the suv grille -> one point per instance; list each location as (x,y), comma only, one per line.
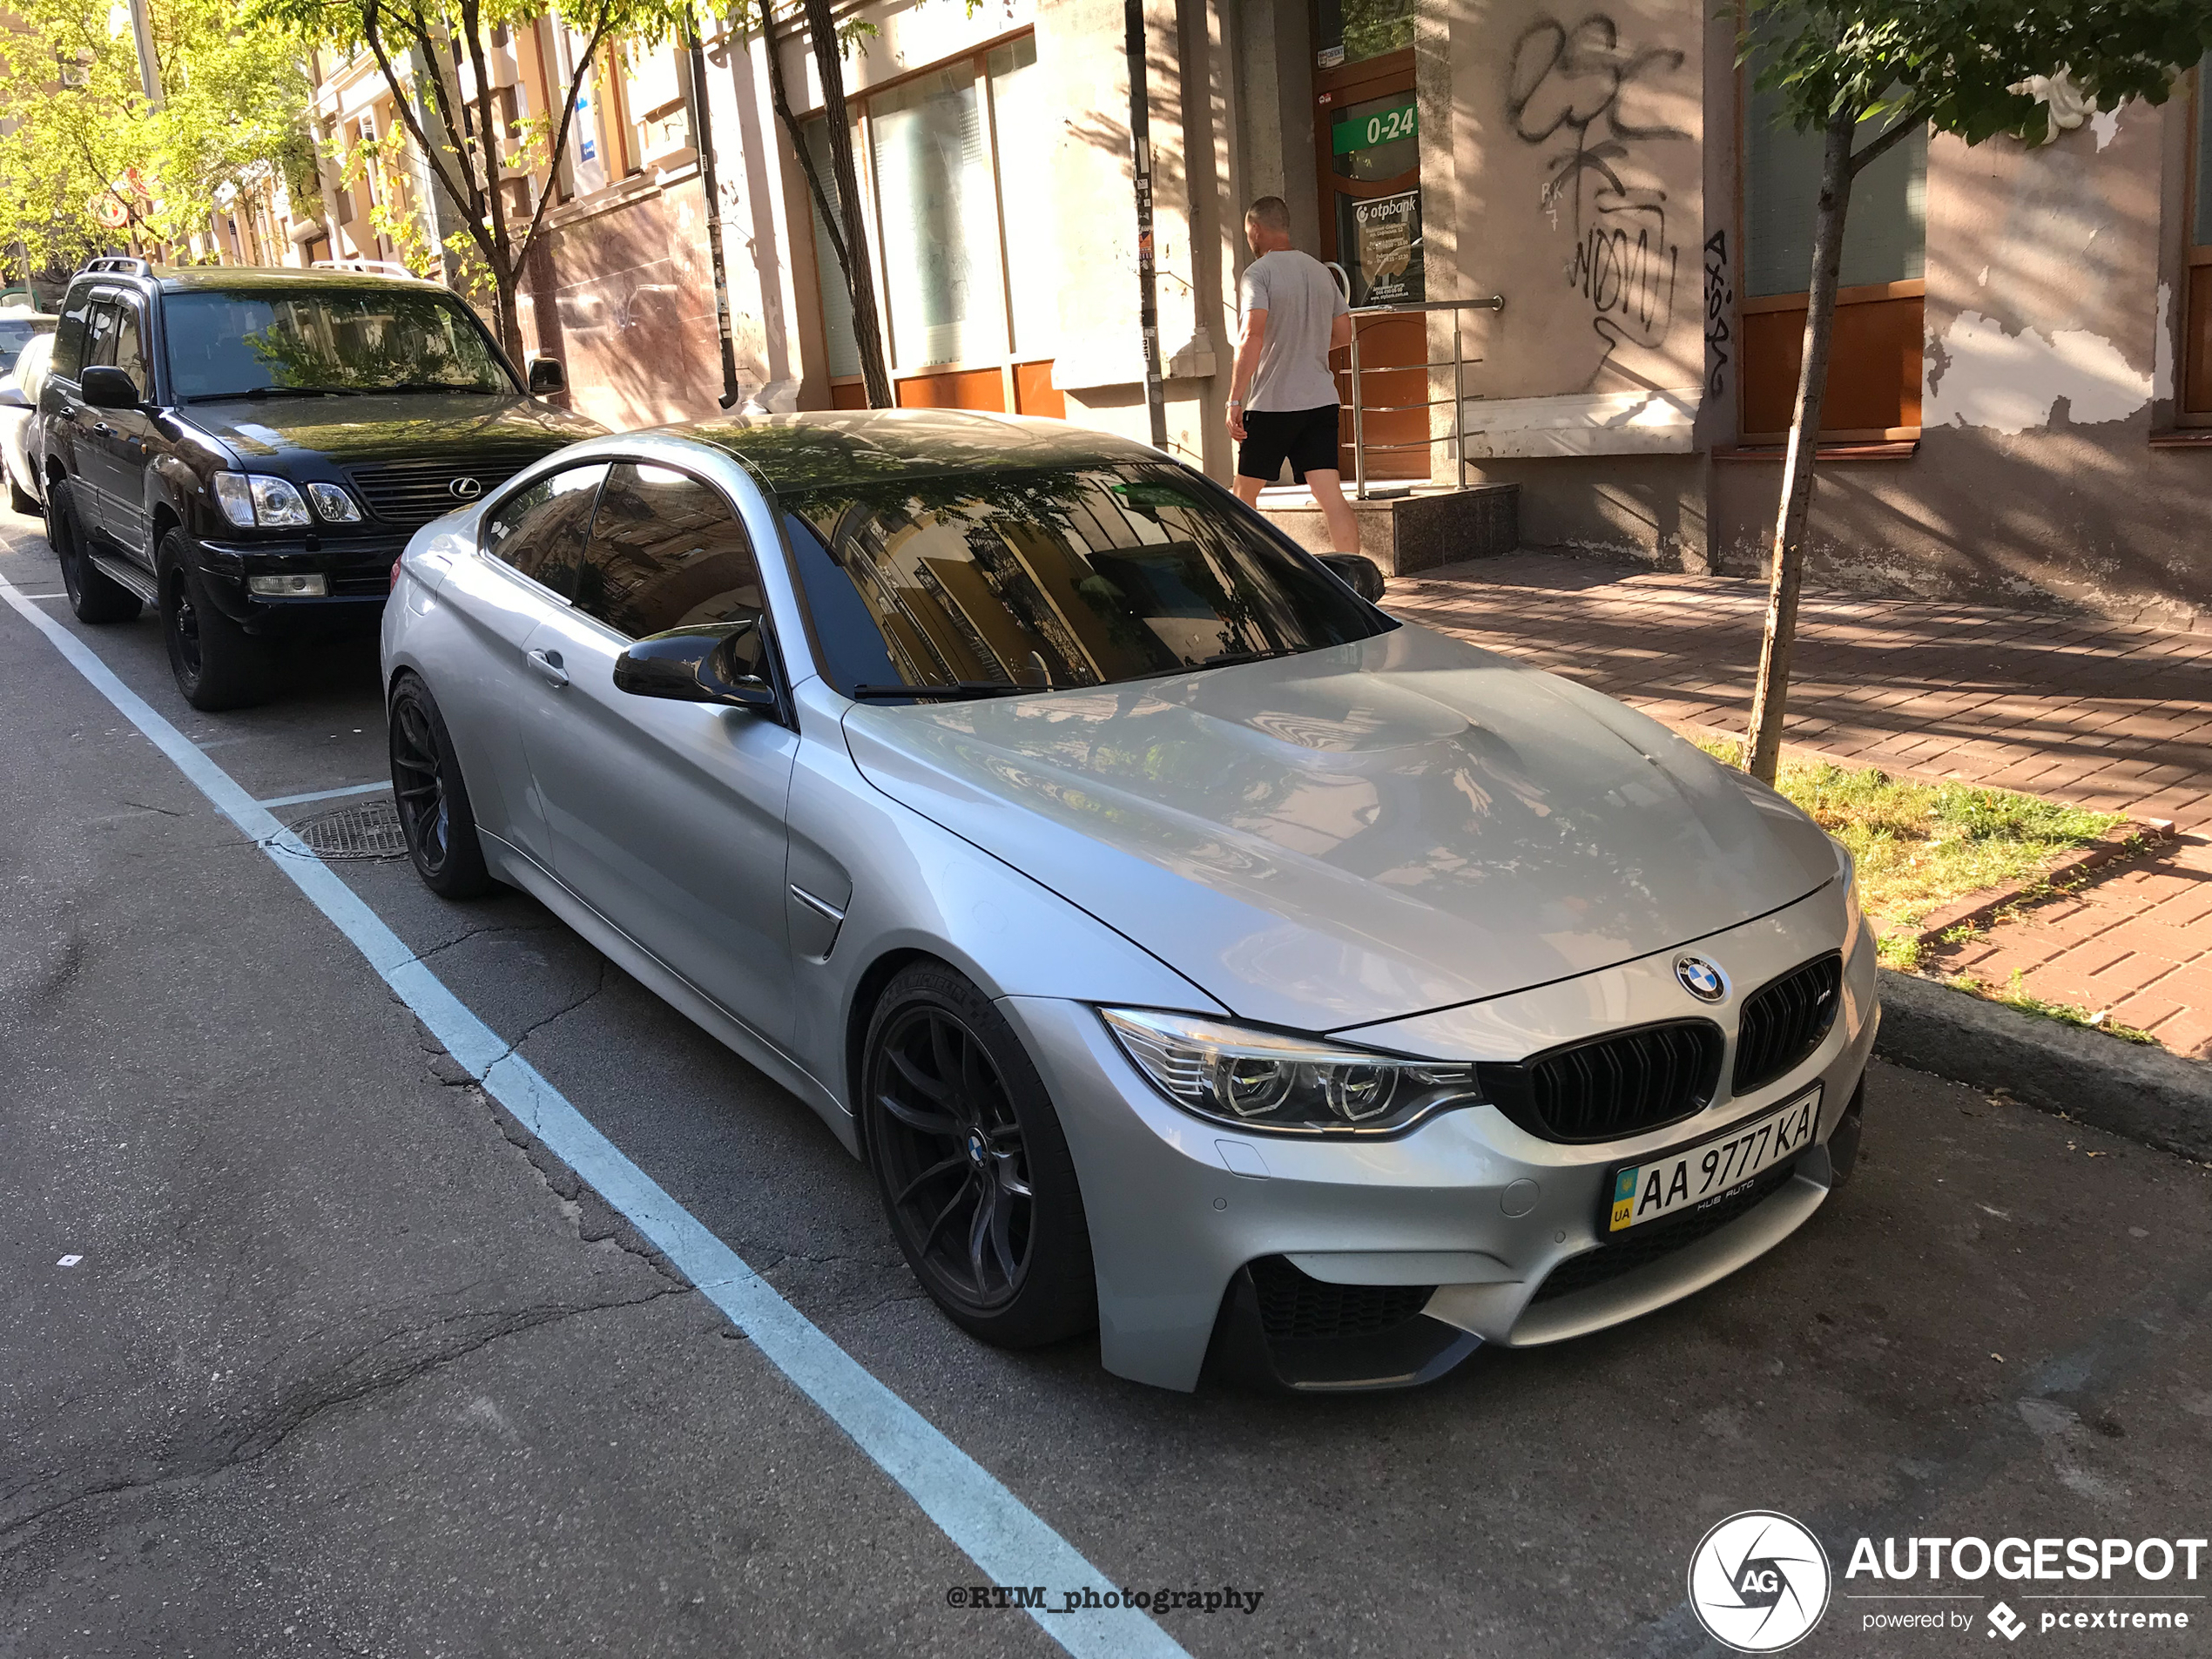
(412,493)
(1785,1021)
(1615,1086)
(1294,1306)
(1625,1255)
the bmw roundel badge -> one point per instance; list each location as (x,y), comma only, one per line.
(1700,979)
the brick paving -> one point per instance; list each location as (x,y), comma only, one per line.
(2109,715)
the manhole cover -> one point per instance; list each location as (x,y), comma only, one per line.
(368,830)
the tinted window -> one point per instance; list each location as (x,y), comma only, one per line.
(1059,577)
(15,333)
(68,339)
(222,345)
(540,531)
(99,338)
(130,347)
(666,551)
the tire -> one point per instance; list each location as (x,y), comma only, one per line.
(21,499)
(972,1169)
(435,815)
(92,598)
(217,664)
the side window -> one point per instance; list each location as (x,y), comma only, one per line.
(130,347)
(666,551)
(69,337)
(99,338)
(540,531)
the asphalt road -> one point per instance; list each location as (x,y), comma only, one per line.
(336,1368)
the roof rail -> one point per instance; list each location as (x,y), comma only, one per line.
(119,265)
(368,267)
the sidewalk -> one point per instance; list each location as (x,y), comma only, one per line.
(2107,715)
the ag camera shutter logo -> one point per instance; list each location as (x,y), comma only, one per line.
(1758,1582)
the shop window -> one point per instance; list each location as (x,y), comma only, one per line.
(956,166)
(1351,31)
(1874,368)
(2197,346)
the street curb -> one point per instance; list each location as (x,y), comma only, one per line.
(2133,1089)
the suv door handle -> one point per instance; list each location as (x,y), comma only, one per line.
(103,428)
(548,664)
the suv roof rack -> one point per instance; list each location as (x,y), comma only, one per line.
(119,265)
(368,267)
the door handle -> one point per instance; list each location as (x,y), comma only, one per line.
(548,664)
(103,429)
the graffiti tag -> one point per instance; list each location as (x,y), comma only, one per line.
(1720,296)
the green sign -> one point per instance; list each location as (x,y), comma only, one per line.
(1379,126)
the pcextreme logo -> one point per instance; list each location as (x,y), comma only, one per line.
(1758,1582)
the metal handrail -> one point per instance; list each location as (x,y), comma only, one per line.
(1456,363)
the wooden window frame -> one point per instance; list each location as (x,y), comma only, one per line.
(1008,362)
(2194,358)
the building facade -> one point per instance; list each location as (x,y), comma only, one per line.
(2021,410)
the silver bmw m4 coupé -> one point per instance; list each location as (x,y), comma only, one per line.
(1190,948)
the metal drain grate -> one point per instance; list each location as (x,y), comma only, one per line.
(367,830)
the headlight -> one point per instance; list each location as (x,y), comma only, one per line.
(1264,1080)
(1854,918)
(332,504)
(251,498)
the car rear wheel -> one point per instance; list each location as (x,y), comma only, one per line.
(217,664)
(974,1170)
(435,815)
(21,499)
(92,598)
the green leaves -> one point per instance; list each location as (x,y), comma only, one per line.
(1950,62)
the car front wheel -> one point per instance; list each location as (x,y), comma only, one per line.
(974,1170)
(435,816)
(218,665)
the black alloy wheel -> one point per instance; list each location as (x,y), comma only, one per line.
(93,597)
(972,1168)
(435,815)
(217,663)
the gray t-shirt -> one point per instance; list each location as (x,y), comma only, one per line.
(1301,301)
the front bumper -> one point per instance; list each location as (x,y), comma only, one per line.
(1468,1202)
(357,569)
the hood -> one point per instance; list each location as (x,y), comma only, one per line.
(1359,834)
(348,430)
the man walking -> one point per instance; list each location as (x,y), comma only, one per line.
(1282,398)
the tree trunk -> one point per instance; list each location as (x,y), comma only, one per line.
(821,30)
(1763,741)
(505,282)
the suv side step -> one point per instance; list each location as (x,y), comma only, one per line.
(125,575)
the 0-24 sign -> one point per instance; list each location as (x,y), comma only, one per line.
(1376,126)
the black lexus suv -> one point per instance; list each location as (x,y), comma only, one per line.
(248,451)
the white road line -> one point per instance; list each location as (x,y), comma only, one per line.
(1006,1540)
(323,795)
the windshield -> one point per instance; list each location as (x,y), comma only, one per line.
(15,333)
(229,345)
(1049,579)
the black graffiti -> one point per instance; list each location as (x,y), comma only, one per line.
(1569,80)
(1627,273)
(1720,299)
(1565,88)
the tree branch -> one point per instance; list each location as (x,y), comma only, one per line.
(1898,130)
(487,138)
(561,136)
(408,118)
(780,96)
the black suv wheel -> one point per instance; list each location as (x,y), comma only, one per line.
(974,1170)
(217,664)
(92,596)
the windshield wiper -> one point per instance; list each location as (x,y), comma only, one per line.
(1223,660)
(275,391)
(958,688)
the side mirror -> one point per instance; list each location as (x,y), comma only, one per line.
(1361,574)
(547,375)
(11,395)
(108,387)
(724,663)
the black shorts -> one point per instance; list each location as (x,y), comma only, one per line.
(1306,438)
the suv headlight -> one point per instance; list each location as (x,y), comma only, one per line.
(251,498)
(334,505)
(1268,1081)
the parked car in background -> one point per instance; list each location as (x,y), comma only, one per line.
(19,325)
(1190,948)
(248,451)
(19,389)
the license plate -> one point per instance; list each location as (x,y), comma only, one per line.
(1680,1181)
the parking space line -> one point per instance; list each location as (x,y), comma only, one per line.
(1008,1542)
(324,794)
